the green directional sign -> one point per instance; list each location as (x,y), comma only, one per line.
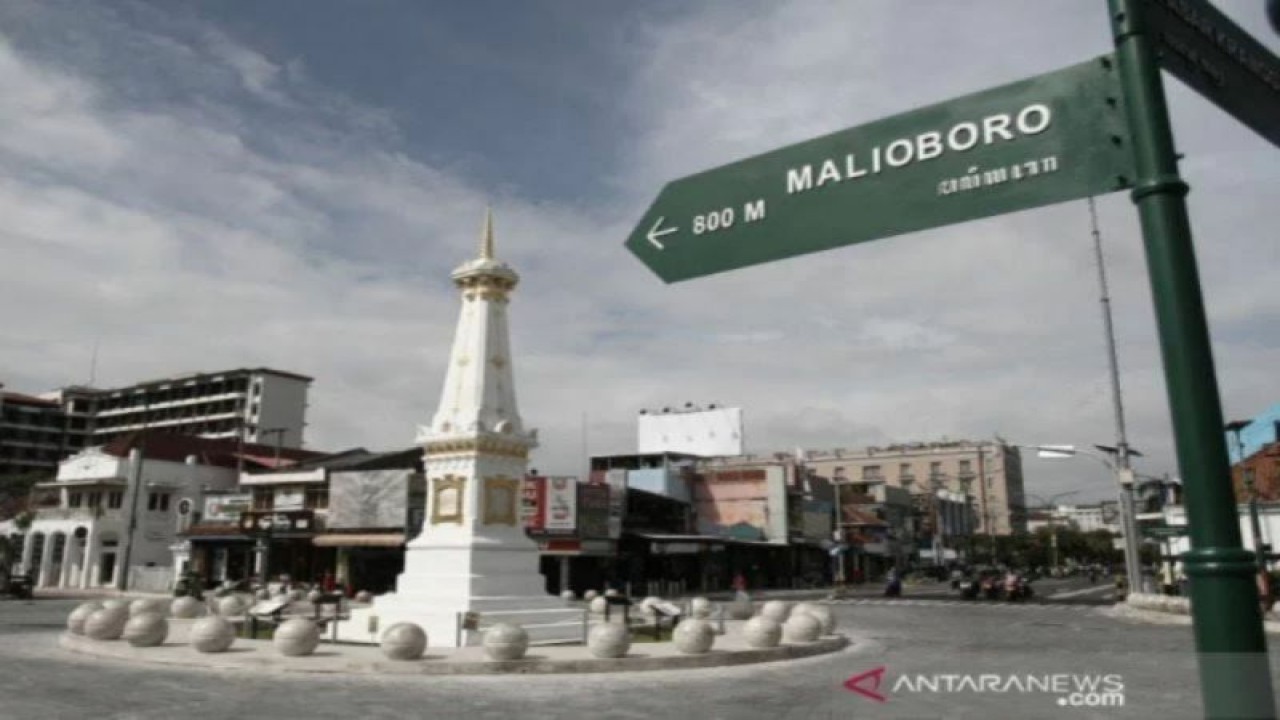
(1043,140)
(1216,57)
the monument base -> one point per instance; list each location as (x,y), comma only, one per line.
(545,618)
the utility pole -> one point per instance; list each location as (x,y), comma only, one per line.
(138,455)
(1235,675)
(1123,466)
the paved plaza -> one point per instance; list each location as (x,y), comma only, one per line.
(910,639)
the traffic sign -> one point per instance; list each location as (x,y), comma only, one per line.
(1042,140)
(1219,59)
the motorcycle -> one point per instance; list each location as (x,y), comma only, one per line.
(1017,588)
(969,589)
(893,588)
(991,588)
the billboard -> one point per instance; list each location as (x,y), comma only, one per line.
(560,513)
(707,433)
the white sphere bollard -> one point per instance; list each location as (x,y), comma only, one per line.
(147,629)
(404,641)
(801,607)
(230,606)
(762,632)
(185,607)
(826,617)
(107,623)
(568,596)
(116,603)
(364,596)
(611,593)
(148,605)
(776,610)
(590,595)
(741,609)
(212,634)
(296,637)
(77,618)
(801,628)
(506,642)
(314,596)
(693,636)
(701,607)
(609,640)
(598,605)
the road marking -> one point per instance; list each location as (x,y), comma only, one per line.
(1077,593)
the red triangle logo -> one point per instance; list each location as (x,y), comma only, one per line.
(867,684)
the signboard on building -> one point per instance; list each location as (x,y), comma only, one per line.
(533,500)
(226,508)
(369,498)
(593,511)
(269,522)
(290,498)
(560,513)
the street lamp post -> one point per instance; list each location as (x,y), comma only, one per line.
(1053,527)
(1128,524)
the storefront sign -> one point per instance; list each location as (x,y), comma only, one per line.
(226,508)
(267,522)
(533,500)
(290,498)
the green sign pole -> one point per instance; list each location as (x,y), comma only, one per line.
(1234,672)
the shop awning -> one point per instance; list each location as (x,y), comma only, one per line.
(359,540)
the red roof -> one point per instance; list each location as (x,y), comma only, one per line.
(221,451)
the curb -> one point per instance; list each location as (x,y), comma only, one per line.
(267,659)
(1155,617)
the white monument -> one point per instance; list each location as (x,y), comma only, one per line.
(471,554)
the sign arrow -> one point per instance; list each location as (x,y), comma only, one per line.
(655,233)
(871,677)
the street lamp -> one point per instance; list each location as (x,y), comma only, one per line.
(1259,550)
(1124,477)
(1053,527)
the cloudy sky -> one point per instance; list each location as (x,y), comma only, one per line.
(205,185)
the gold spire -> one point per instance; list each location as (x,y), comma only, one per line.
(486,238)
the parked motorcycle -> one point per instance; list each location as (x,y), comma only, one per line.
(893,588)
(1017,588)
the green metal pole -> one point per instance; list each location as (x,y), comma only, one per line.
(1234,673)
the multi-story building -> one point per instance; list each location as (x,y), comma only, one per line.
(1088,518)
(954,466)
(257,405)
(36,432)
(266,406)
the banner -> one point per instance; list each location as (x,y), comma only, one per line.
(561,513)
(533,501)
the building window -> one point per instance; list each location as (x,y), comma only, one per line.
(93,499)
(74,499)
(966,467)
(115,499)
(263,498)
(870,472)
(935,469)
(158,502)
(317,498)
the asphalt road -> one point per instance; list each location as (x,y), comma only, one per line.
(913,638)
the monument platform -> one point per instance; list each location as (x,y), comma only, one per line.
(256,656)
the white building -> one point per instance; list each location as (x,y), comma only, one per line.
(267,406)
(1088,518)
(78,535)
